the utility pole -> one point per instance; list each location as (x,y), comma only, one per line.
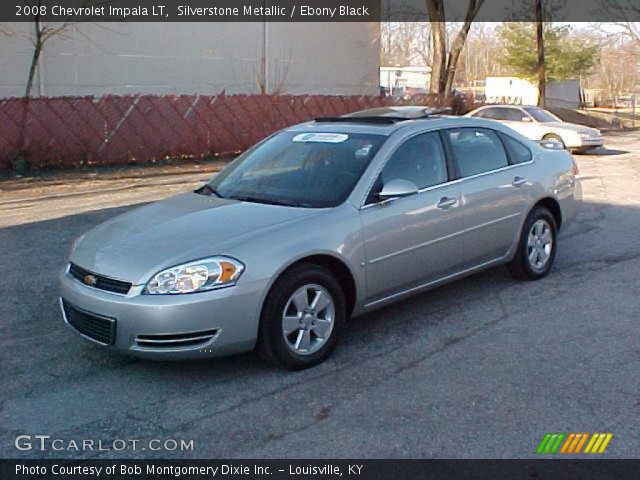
(264,61)
(542,79)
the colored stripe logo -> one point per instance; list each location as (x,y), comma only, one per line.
(574,442)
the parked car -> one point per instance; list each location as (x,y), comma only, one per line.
(536,123)
(317,223)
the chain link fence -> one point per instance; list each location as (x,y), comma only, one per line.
(75,131)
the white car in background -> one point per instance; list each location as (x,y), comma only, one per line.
(538,124)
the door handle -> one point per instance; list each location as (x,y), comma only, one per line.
(446,202)
(519,181)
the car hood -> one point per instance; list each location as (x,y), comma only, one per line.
(139,243)
(574,127)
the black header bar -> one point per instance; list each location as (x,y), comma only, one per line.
(543,469)
(309,10)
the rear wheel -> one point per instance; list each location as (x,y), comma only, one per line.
(537,246)
(302,317)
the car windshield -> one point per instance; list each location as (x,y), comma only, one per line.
(542,115)
(310,169)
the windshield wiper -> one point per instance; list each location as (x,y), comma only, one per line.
(208,188)
(269,201)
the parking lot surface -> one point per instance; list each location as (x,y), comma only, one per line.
(481,368)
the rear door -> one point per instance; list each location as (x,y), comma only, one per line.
(412,240)
(494,190)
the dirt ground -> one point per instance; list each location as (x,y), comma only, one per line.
(56,194)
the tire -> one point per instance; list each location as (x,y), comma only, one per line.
(529,262)
(557,138)
(313,336)
(581,150)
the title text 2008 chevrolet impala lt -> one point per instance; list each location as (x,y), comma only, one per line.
(319,222)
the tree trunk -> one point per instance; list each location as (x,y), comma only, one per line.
(443,67)
(458,45)
(35,58)
(32,70)
(435,9)
(542,78)
(24,115)
(454,56)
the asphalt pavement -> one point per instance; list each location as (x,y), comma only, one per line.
(481,368)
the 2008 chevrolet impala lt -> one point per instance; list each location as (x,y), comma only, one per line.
(319,222)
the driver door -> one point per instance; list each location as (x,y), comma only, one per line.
(415,239)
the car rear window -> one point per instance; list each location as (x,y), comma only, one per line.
(518,153)
(476,150)
(541,115)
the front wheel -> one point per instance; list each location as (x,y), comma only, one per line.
(302,317)
(537,246)
(581,150)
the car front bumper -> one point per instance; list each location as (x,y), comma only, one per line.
(205,324)
(589,142)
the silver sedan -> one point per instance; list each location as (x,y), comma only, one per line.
(318,223)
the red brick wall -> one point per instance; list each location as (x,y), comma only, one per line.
(68,131)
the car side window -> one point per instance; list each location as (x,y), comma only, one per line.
(518,153)
(489,113)
(500,114)
(476,150)
(513,114)
(420,160)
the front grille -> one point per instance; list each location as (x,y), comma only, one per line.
(177,340)
(100,329)
(101,282)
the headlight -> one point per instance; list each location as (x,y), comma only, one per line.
(590,134)
(197,276)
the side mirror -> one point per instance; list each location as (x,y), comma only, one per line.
(526,119)
(397,188)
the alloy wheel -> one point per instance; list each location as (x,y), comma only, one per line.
(539,244)
(308,319)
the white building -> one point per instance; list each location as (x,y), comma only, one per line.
(185,58)
(514,90)
(403,78)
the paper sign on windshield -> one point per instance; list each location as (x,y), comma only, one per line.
(321,137)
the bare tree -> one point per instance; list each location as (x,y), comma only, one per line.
(6,31)
(405,43)
(632,30)
(42,33)
(445,63)
(481,55)
(613,76)
(622,13)
(273,80)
